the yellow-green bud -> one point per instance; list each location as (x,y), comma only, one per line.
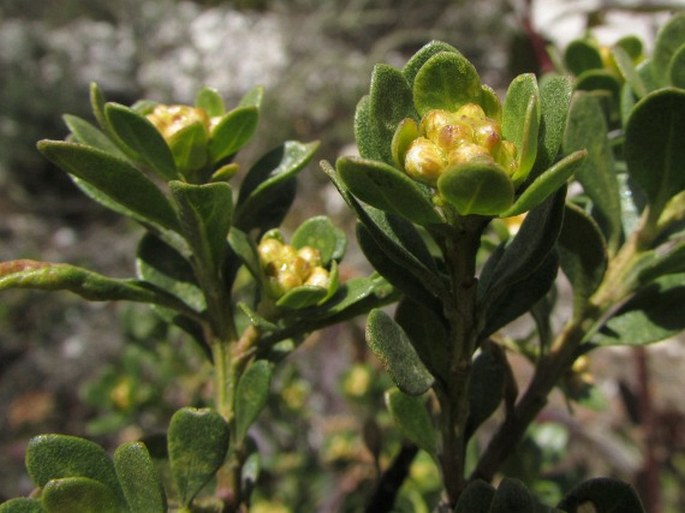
(454,135)
(434,121)
(467,153)
(424,161)
(169,119)
(471,111)
(487,134)
(318,277)
(269,250)
(310,255)
(505,155)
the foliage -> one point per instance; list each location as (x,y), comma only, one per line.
(444,165)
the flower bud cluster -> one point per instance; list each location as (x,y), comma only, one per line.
(171,119)
(287,268)
(449,139)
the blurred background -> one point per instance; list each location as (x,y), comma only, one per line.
(112,372)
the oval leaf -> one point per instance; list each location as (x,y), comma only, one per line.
(390,101)
(393,348)
(205,214)
(586,128)
(269,186)
(486,388)
(141,139)
(197,444)
(139,479)
(85,133)
(654,149)
(388,189)
(53,457)
(477,188)
(605,495)
(476,498)
(555,97)
(232,132)
(581,55)
(22,505)
(210,100)
(414,64)
(115,177)
(512,496)
(546,184)
(411,416)
(583,255)
(521,121)
(81,494)
(251,396)
(320,233)
(446,81)
(669,39)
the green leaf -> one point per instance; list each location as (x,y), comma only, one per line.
(189,148)
(210,100)
(520,297)
(476,498)
(428,334)
(605,495)
(526,251)
(407,130)
(197,443)
(654,313)
(232,132)
(205,212)
(624,62)
(490,102)
(546,184)
(301,297)
(31,274)
(97,103)
(583,255)
(115,178)
(669,40)
(486,387)
(477,188)
(139,479)
(22,505)
(53,457)
(268,189)
(586,128)
(393,348)
(447,80)
(253,97)
(162,265)
(414,64)
(654,151)
(78,494)
(581,55)
(390,101)
(521,122)
(555,97)
(86,133)
(399,241)
(142,141)
(512,496)
(411,417)
(403,278)
(320,233)
(677,68)
(388,189)
(251,396)
(600,81)
(246,250)
(369,144)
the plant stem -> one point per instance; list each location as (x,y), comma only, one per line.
(459,251)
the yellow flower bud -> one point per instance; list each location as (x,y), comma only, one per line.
(467,153)
(471,111)
(318,277)
(434,121)
(454,135)
(287,280)
(487,134)
(505,155)
(424,161)
(269,250)
(169,119)
(310,255)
